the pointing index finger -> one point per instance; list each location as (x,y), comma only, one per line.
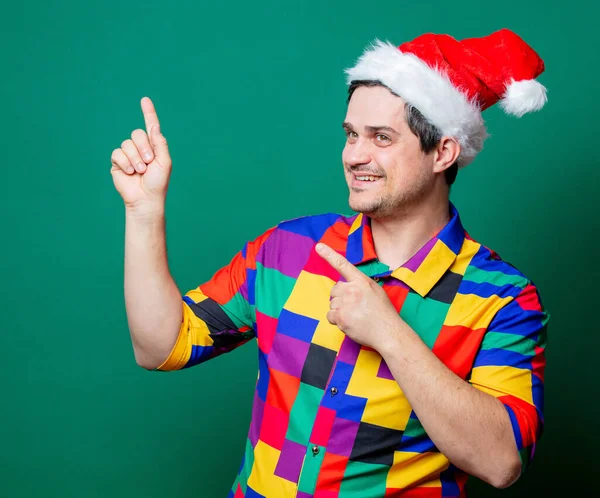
(150,116)
(338,262)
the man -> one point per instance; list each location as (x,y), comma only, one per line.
(397,355)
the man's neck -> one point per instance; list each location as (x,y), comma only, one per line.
(397,239)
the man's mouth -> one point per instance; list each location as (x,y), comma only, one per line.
(362,179)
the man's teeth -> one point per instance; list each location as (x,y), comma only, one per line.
(367,178)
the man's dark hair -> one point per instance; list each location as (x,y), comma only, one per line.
(428,134)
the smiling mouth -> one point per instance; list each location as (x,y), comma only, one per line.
(364,180)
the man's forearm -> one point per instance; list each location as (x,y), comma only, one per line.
(470,427)
(152,299)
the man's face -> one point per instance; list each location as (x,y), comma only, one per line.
(385,169)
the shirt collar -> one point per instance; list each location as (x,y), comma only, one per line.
(425,268)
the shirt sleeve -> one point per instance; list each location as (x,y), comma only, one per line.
(219,315)
(510,366)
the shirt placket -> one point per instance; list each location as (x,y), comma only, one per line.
(315,452)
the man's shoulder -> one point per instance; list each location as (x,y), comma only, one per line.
(488,268)
(509,291)
(315,225)
(296,237)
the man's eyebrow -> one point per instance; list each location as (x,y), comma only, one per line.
(371,129)
(374,129)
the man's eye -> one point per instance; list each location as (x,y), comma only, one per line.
(351,134)
(382,138)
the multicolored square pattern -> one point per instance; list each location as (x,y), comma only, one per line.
(328,418)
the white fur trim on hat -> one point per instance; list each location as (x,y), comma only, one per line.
(523,96)
(427,89)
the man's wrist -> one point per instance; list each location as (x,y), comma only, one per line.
(147,212)
(391,337)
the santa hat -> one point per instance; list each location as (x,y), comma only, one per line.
(450,82)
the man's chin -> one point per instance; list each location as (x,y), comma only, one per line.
(368,208)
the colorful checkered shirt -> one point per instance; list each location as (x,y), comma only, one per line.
(328,418)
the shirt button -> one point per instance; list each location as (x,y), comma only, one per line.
(334,391)
(315,450)
(376,279)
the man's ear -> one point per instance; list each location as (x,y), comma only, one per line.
(446,154)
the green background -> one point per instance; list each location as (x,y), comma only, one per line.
(251,97)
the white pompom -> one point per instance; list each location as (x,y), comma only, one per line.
(523,96)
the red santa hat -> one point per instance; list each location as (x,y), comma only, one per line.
(450,82)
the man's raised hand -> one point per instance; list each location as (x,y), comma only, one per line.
(141,167)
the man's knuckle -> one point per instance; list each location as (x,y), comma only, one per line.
(138,134)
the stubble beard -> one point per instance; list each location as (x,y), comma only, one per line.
(385,206)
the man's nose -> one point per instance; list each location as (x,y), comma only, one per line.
(358,153)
